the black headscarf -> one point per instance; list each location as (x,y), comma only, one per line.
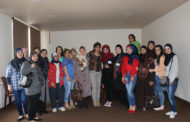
(151,53)
(143,56)
(168,57)
(53,61)
(121,50)
(33,53)
(16,62)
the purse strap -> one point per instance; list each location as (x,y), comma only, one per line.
(170,66)
(78,85)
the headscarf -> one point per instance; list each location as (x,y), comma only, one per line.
(16,62)
(151,53)
(34,53)
(133,55)
(168,57)
(106,57)
(143,56)
(53,61)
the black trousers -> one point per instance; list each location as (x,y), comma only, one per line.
(84,103)
(33,101)
(109,91)
(122,95)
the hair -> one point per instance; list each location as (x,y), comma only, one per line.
(132,35)
(150,42)
(82,47)
(161,53)
(62,54)
(96,44)
(36,48)
(73,50)
(143,46)
(65,50)
(44,50)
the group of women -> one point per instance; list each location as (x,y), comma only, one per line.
(129,76)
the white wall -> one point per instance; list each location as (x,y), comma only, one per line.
(174,28)
(70,39)
(6,48)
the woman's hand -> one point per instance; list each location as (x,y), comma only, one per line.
(132,79)
(124,81)
(171,82)
(151,70)
(151,83)
(33,65)
(10,88)
(102,85)
(68,79)
(52,84)
(107,66)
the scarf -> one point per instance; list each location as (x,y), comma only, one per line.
(109,55)
(168,57)
(133,55)
(82,62)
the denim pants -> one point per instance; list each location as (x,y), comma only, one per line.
(21,101)
(68,87)
(130,89)
(56,94)
(95,79)
(158,90)
(171,89)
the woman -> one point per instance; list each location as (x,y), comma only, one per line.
(37,50)
(95,66)
(68,68)
(132,40)
(129,74)
(44,65)
(13,76)
(82,75)
(25,51)
(107,74)
(118,85)
(59,51)
(34,91)
(160,72)
(56,84)
(171,63)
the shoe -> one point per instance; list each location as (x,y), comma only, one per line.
(169,113)
(62,109)
(37,119)
(161,108)
(95,104)
(20,118)
(106,104)
(54,110)
(67,107)
(133,111)
(109,104)
(98,104)
(72,106)
(32,121)
(172,115)
(144,109)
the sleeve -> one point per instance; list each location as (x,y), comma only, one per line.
(9,73)
(26,68)
(151,75)
(161,67)
(64,63)
(76,66)
(134,67)
(174,69)
(123,66)
(50,73)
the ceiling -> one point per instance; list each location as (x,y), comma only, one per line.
(56,15)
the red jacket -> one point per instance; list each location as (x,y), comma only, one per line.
(129,69)
(52,74)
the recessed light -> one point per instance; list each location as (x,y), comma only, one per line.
(35,1)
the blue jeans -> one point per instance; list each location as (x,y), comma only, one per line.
(158,90)
(56,94)
(171,89)
(21,101)
(68,86)
(130,88)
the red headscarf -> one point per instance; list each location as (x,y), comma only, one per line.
(106,57)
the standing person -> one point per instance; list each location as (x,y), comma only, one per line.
(160,72)
(25,51)
(68,79)
(13,76)
(107,74)
(44,65)
(132,40)
(171,63)
(34,91)
(59,51)
(56,84)
(37,50)
(95,67)
(118,85)
(82,75)
(129,74)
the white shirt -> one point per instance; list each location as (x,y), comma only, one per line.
(57,72)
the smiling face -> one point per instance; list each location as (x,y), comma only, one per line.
(67,54)
(105,50)
(56,57)
(158,51)
(118,50)
(168,50)
(151,46)
(35,57)
(59,51)
(131,39)
(37,51)
(19,54)
(97,48)
(82,51)
(129,50)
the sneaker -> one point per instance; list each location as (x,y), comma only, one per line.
(106,104)
(54,110)
(161,108)
(67,106)
(62,109)
(169,113)
(72,106)
(109,104)
(172,115)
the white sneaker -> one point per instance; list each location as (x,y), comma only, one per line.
(106,104)
(172,115)
(109,104)
(62,109)
(54,110)
(161,108)
(169,113)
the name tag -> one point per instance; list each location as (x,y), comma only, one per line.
(117,64)
(109,62)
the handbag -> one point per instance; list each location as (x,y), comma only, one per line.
(152,102)
(165,79)
(76,92)
(26,80)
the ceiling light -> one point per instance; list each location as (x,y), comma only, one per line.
(35,1)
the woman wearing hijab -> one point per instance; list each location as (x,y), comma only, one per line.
(56,84)
(13,76)
(119,87)
(107,74)
(129,74)
(171,64)
(34,91)
(44,65)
